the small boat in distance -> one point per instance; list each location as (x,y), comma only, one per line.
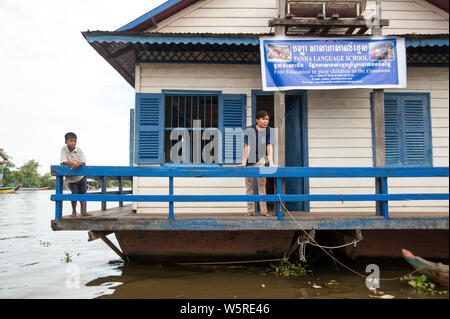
(34,188)
(10,189)
(436,272)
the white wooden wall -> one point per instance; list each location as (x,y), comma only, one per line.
(339,134)
(251,16)
(230,79)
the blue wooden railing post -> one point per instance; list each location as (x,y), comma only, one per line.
(104,180)
(59,190)
(279,192)
(382,207)
(171,217)
(120,189)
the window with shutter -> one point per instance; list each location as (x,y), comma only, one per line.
(408,129)
(234,113)
(149,128)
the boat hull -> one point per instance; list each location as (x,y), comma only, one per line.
(203,246)
(4,190)
(435,271)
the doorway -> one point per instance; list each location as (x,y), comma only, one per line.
(296,141)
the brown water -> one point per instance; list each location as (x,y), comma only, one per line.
(36,262)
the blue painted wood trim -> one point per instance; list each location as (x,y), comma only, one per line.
(382,188)
(247,198)
(171,215)
(165,171)
(59,191)
(132,136)
(279,187)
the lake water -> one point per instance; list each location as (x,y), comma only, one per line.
(36,262)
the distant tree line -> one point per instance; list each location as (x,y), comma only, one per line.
(27,174)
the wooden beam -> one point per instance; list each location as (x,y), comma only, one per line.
(362,30)
(94,235)
(116,250)
(350,30)
(310,22)
(279,101)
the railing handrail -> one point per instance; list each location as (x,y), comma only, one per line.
(380,174)
(230,171)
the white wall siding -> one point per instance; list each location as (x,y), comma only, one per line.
(251,16)
(408,16)
(230,79)
(340,135)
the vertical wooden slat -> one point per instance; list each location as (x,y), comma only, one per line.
(120,189)
(104,181)
(59,191)
(279,182)
(171,215)
(382,188)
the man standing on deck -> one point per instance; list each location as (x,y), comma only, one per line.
(258,151)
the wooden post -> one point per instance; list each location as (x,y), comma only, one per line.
(104,181)
(171,216)
(378,123)
(279,209)
(120,189)
(59,190)
(279,103)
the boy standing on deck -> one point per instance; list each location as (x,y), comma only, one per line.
(73,156)
(258,151)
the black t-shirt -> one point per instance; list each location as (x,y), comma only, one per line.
(258,141)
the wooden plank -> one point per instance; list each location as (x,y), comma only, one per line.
(215,171)
(310,22)
(255,223)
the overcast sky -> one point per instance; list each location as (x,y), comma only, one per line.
(52,81)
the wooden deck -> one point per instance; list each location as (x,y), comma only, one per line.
(123,218)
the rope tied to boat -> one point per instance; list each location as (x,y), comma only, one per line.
(311,240)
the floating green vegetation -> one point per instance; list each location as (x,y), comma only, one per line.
(288,269)
(422,286)
(44,243)
(67,258)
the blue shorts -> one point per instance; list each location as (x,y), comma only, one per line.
(79,187)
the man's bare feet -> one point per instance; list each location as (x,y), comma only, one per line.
(250,214)
(85,214)
(266,214)
(73,215)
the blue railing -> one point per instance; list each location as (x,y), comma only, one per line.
(381,174)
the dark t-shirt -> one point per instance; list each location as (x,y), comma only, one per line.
(258,141)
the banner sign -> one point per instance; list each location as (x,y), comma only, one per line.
(289,63)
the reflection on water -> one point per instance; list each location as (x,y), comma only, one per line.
(36,262)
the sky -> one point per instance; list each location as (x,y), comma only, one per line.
(52,81)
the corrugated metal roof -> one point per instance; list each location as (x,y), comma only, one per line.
(228,39)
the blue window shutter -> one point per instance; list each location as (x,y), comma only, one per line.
(149,128)
(392,123)
(416,130)
(234,112)
(131,137)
